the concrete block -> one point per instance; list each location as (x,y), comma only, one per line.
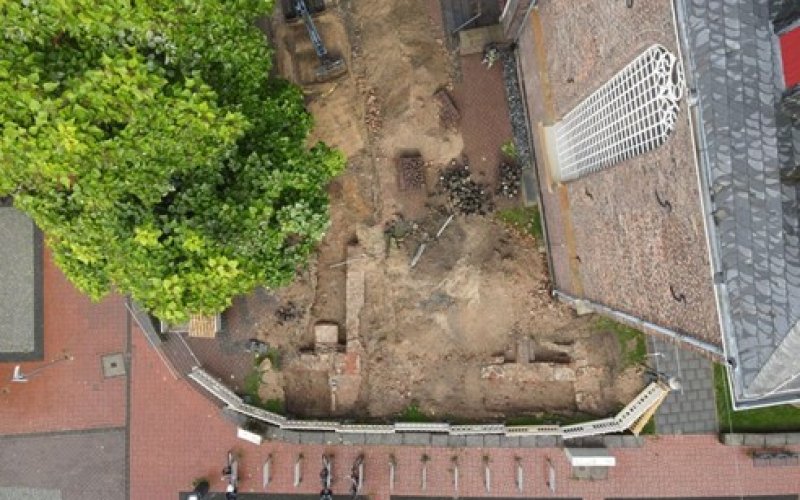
(291,437)
(775,439)
(373,439)
(546,441)
(527,441)
(353,438)
(509,441)
(456,441)
(331,437)
(613,441)
(416,438)
(631,441)
(439,440)
(754,440)
(392,439)
(311,437)
(491,441)
(793,438)
(475,441)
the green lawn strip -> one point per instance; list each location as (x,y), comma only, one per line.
(551,419)
(525,219)
(631,341)
(784,418)
(412,413)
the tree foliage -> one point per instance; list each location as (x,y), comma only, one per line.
(146,140)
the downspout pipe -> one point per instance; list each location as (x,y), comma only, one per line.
(525,18)
(641,324)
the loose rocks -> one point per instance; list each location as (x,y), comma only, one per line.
(465,195)
(509,178)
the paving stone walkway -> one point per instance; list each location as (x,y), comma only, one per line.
(691,410)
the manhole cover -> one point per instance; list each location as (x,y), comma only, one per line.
(113,365)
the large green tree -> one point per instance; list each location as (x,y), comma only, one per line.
(147,141)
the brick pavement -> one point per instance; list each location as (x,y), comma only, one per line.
(693,409)
(484,124)
(177,435)
(69,394)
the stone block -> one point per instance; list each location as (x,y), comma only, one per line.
(456,441)
(332,437)
(491,441)
(527,441)
(416,438)
(311,437)
(291,437)
(439,440)
(757,440)
(775,440)
(353,438)
(546,441)
(613,441)
(475,441)
(793,438)
(509,441)
(392,439)
(632,441)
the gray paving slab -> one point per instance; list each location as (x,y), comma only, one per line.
(87,465)
(20,287)
(691,410)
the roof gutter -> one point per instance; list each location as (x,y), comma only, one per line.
(641,324)
(706,204)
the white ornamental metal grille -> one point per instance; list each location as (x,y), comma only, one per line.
(631,114)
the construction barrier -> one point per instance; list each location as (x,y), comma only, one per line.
(651,396)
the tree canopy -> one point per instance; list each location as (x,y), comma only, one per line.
(147,141)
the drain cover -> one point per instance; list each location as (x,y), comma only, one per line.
(113,365)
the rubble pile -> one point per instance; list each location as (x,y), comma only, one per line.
(288,313)
(410,173)
(508,179)
(465,195)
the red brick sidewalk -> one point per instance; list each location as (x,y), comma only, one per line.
(177,436)
(69,395)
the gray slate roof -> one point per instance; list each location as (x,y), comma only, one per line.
(734,66)
(20,287)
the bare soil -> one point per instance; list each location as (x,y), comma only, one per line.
(445,335)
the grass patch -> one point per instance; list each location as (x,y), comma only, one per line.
(250,387)
(525,219)
(275,406)
(784,418)
(274,356)
(551,419)
(413,414)
(649,428)
(631,341)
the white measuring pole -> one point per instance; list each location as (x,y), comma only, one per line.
(298,471)
(487,476)
(267,472)
(392,465)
